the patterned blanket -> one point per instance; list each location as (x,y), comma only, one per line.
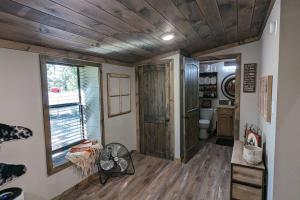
(84,156)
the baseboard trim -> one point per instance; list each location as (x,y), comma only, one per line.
(78,186)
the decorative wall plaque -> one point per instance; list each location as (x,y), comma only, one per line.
(228,86)
(249,85)
(265,97)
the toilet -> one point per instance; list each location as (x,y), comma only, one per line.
(206,115)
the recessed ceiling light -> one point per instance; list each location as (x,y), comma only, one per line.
(167,36)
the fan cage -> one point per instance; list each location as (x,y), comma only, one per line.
(114,161)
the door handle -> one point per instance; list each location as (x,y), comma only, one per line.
(167,120)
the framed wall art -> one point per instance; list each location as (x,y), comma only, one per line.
(118,94)
(265,97)
(249,85)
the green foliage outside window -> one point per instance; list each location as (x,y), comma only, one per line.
(63,77)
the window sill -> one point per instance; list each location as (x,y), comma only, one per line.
(59,162)
(59,159)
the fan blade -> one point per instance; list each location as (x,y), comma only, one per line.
(106,165)
(105,155)
(115,150)
(123,164)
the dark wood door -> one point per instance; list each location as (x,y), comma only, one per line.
(154,110)
(190,109)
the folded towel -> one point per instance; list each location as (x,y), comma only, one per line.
(84,156)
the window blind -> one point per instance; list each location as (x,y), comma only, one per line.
(90,99)
(74,105)
(64,106)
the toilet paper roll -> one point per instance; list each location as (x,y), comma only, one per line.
(12,194)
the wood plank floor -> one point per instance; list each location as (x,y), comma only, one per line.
(206,176)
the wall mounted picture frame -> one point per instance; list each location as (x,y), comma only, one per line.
(265,97)
(249,83)
(119,94)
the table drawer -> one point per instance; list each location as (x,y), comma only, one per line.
(247,175)
(243,192)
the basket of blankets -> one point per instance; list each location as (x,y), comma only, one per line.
(84,156)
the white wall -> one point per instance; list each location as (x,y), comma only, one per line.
(287,162)
(269,66)
(21,104)
(249,101)
(176,60)
(120,128)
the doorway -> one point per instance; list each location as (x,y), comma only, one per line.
(190,102)
(155,108)
(229,94)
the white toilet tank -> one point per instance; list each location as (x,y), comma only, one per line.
(206,113)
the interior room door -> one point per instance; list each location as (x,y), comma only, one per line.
(189,109)
(154,110)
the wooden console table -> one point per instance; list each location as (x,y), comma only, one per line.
(247,181)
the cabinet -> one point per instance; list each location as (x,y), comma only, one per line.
(225,120)
(247,181)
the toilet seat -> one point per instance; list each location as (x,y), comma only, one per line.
(204,122)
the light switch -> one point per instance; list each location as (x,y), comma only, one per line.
(273,27)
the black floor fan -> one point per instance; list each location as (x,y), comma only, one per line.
(114,160)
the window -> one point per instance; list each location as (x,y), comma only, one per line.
(71,93)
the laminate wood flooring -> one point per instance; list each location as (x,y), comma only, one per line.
(206,176)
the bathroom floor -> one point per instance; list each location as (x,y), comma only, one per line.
(211,139)
(206,176)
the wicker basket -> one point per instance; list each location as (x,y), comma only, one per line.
(252,154)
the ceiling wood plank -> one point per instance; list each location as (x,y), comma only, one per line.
(52,8)
(52,42)
(228,12)
(58,53)
(16,24)
(96,13)
(52,21)
(144,10)
(131,30)
(36,30)
(56,43)
(212,15)
(49,20)
(191,11)
(245,14)
(118,10)
(63,13)
(29,13)
(260,13)
(167,9)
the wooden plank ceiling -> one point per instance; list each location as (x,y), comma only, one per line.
(130,30)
